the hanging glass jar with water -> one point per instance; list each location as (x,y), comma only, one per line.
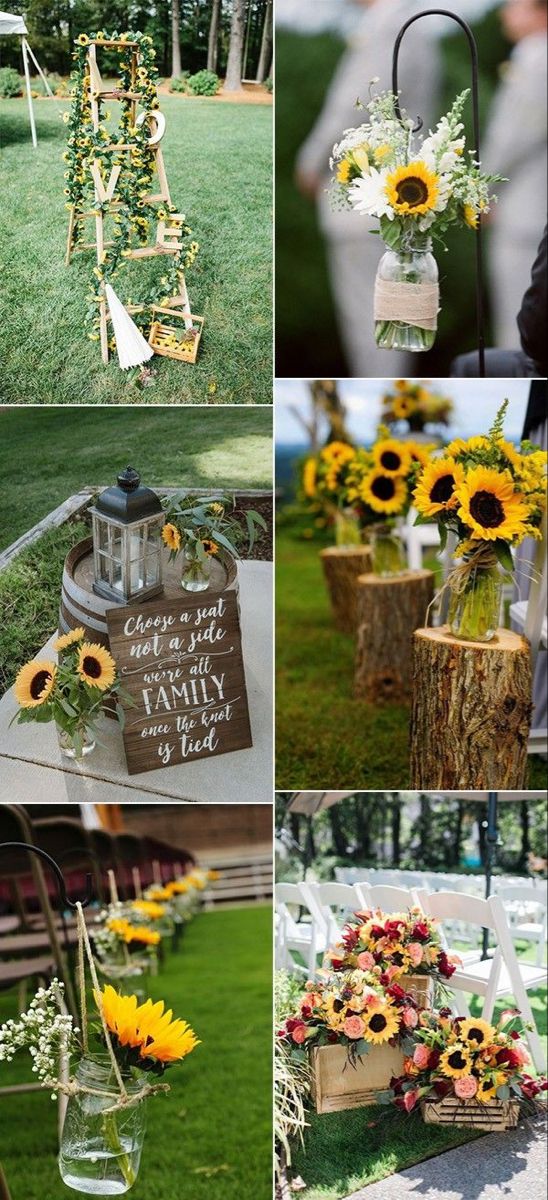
(407,295)
(101,1143)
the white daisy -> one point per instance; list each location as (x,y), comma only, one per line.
(368,195)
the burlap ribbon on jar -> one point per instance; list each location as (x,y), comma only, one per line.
(407,303)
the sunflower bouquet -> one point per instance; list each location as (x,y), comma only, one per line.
(491,496)
(468,1059)
(124,946)
(394,946)
(201,529)
(417,188)
(415,404)
(353,1009)
(70,692)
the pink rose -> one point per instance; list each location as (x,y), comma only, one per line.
(354,1027)
(415,953)
(410,1018)
(299,1034)
(366,961)
(421,1055)
(410,1099)
(465,1087)
(523,1054)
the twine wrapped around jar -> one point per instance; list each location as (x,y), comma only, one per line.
(408,303)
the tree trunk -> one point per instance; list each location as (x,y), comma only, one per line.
(337,831)
(471,711)
(457,840)
(425,821)
(233,79)
(388,611)
(362,809)
(525,838)
(175,39)
(341,567)
(265,56)
(326,399)
(213,41)
(396,830)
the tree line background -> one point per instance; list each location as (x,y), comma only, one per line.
(231,37)
(378,830)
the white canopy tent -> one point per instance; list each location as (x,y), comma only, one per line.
(11,24)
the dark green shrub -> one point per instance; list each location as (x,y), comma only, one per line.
(269,84)
(179,83)
(204,83)
(11,83)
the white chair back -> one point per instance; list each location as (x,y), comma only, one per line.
(337,902)
(389,899)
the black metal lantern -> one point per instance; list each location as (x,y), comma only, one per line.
(127,526)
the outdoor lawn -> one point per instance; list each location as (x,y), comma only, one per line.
(324,737)
(218,162)
(210,1139)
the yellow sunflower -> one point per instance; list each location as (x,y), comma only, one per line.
(402,406)
(34,683)
(412,190)
(489,506)
(487,1087)
(334,1011)
(210,546)
(145,1026)
(391,457)
(178,887)
(436,488)
(455,1061)
(476,1032)
(397,955)
(69,639)
(309,477)
(157,893)
(420,453)
(96,667)
(344,169)
(384,493)
(381,1024)
(149,909)
(171,536)
(338,452)
(470,216)
(140,933)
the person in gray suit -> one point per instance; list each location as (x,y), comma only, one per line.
(353,252)
(515,146)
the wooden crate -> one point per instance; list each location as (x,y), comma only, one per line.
(493,1117)
(336,1084)
(420,987)
(162,330)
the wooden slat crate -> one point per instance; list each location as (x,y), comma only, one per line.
(420,987)
(162,333)
(336,1084)
(493,1117)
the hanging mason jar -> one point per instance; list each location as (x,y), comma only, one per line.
(475,600)
(77,743)
(388,555)
(407,296)
(347,528)
(100,1150)
(196,571)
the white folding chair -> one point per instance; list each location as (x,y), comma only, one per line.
(526,912)
(389,899)
(337,902)
(306,938)
(500,975)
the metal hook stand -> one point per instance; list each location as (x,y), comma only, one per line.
(445,12)
(62,891)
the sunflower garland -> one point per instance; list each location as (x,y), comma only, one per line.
(135,214)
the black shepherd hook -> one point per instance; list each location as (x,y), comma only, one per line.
(445,12)
(65,902)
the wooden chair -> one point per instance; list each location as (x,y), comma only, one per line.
(498,976)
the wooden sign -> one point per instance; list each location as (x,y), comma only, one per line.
(181,662)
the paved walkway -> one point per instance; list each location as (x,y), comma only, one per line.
(501,1166)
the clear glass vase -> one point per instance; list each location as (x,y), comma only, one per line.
(76,744)
(474,606)
(388,555)
(413,263)
(196,573)
(347,528)
(101,1151)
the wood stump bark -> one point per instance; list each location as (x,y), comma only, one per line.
(388,612)
(472,706)
(341,567)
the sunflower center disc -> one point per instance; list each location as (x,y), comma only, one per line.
(38,684)
(390,460)
(487,510)
(442,489)
(92,667)
(412,191)
(383,487)
(377,1023)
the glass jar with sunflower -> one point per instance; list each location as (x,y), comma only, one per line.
(379,483)
(201,529)
(491,495)
(70,692)
(417,188)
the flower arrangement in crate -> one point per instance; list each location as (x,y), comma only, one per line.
(492,496)
(70,692)
(120,1062)
(201,529)
(416,189)
(365,491)
(398,948)
(416,405)
(466,1071)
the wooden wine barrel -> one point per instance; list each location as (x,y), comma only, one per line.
(80,606)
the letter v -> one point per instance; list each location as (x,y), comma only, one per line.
(104,195)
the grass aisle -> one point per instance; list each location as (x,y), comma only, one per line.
(218,162)
(210,1139)
(325,738)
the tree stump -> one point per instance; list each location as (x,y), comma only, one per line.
(341,567)
(472,709)
(389,610)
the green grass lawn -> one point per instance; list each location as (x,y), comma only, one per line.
(324,737)
(211,1138)
(218,159)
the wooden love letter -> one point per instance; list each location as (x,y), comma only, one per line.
(181,663)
